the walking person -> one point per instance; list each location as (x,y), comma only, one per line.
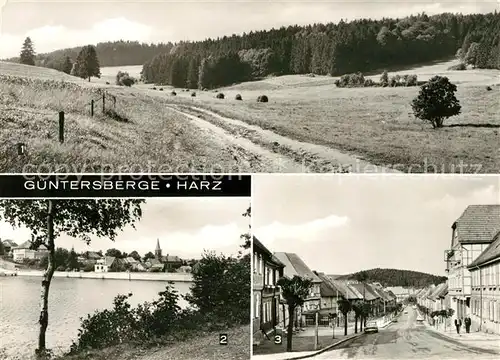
(467,324)
(458,324)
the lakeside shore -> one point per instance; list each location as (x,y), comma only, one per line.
(176,277)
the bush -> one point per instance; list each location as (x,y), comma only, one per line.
(88,267)
(262,98)
(411,80)
(384,78)
(351,80)
(220,96)
(154,88)
(124,79)
(460,66)
(193,94)
(238,97)
(115,115)
(173,93)
(61,268)
(488,88)
(369,83)
(107,83)
(161,89)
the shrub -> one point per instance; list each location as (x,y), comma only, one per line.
(369,83)
(262,98)
(238,97)
(173,93)
(107,83)
(124,79)
(488,88)
(154,88)
(88,267)
(161,89)
(411,80)
(351,80)
(460,66)
(61,268)
(384,79)
(220,96)
(115,116)
(193,94)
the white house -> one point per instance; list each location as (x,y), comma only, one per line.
(23,251)
(104,264)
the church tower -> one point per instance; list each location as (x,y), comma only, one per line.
(158,250)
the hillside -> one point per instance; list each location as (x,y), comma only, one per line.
(396,277)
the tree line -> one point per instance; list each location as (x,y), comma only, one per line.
(396,277)
(327,49)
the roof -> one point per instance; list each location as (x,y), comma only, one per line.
(478,224)
(257,245)
(437,291)
(391,294)
(491,253)
(93,255)
(130,260)
(295,266)
(158,265)
(24,245)
(334,276)
(366,291)
(9,243)
(171,258)
(347,291)
(108,260)
(327,287)
(383,295)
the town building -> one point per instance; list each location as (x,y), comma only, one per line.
(267,314)
(104,264)
(294,265)
(170,262)
(401,292)
(472,233)
(8,245)
(485,294)
(25,251)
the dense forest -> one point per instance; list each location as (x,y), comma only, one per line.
(395,277)
(334,49)
(116,53)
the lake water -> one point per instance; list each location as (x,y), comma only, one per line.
(69,299)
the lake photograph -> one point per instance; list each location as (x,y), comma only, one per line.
(131,279)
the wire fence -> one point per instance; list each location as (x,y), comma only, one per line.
(94,103)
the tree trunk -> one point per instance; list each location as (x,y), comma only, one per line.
(47,278)
(89,78)
(361,324)
(289,333)
(356,324)
(345,324)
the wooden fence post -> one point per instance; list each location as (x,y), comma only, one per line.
(61,126)
(114,102)
(92,107)
(103,103)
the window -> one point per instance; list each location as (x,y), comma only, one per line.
(257,305)
(255,262)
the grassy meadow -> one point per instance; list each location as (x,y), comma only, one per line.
(145,136)
(375,125)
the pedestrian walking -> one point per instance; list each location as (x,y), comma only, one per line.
(458,324)
(467,322)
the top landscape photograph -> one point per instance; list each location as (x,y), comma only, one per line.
(251,86)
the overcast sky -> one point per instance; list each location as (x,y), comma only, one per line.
(359,223)
(60,24)
(185,227)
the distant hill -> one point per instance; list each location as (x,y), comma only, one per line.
(396,277)
(114,53)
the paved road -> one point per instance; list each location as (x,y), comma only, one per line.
(406,339)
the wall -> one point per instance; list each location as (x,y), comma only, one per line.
(180,277)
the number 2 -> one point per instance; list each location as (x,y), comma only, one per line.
(223,339)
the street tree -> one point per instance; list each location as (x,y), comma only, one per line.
(27,56)
(436,101)
(135,255)
(87,63)
(47,219)
(295,290)
(148,256)
(356,307)
(345,306)
(114,252)
(366,310)
(67,65)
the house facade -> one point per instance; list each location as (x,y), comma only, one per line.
(8,245)
(294,265)
(266,296)
(472,233)
(485,294)
(104,264)
(24,251)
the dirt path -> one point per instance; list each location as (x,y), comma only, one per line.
(281,153)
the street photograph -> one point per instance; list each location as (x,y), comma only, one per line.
(253,86)
(375,267)
(143,279)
